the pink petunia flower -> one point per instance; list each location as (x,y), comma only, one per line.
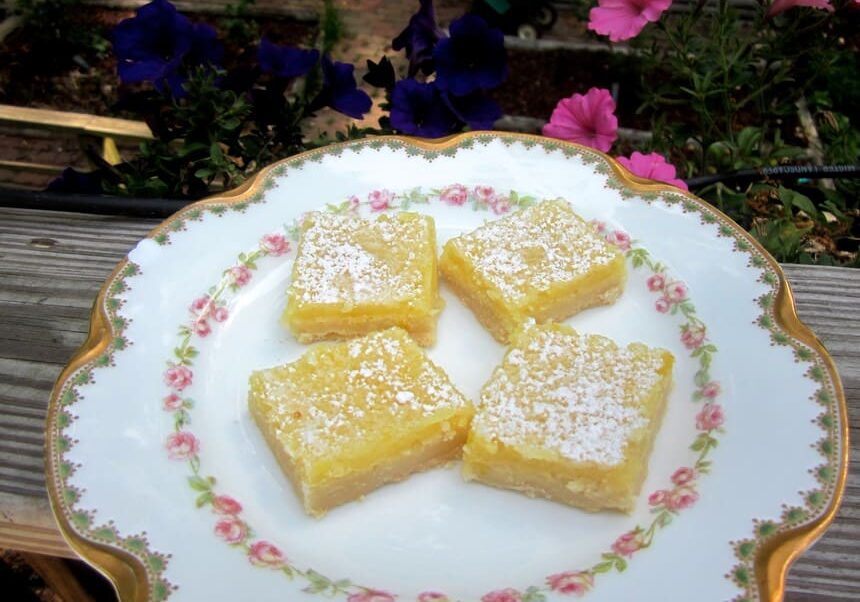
(711,390)
(624,19)
(627,544)
(682,476)
(679,500)
(262,553)
(224,504)
(178,377)
(710,417)
(182,445)
(571,582)
(380,199)
(656,283)
(231,530)
(652,166)
(275,244)
(456,194)
(241,275)
(780,6)
(172,402)
(502,595)
(588,119)
(662,305)
(371,595)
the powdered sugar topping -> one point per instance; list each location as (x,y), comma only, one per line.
(535,248)
(367,389)
(576,395)
(347,259)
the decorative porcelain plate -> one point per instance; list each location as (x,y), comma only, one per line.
(159,477)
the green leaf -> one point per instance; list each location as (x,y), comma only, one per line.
(318,583)
(199,483)
(620,564)
(204,498)
(533,594)
(204,173)
(602,567)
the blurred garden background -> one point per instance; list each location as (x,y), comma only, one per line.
(753,105)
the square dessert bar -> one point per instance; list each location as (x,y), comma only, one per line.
(349,417)
(353,276)
(570,417)
(544,262)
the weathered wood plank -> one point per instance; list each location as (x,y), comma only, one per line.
(44,309)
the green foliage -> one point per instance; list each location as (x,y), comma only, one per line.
(238,23)
(722,95)
(332,26)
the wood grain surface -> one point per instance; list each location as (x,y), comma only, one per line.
(52,265)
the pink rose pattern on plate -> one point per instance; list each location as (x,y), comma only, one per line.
(457,195)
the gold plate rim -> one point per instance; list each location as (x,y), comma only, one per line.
(127,573)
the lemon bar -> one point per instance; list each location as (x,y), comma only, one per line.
(349,417)
(570,417)
(353,276)
(544,263)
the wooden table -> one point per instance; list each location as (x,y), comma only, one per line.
(52,265)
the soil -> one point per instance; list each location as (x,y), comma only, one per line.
(537,80)
(83,77)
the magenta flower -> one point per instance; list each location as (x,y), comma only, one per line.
(662,305)
(620,239)
(587,119)
(624,19)
(692,336)
(240,274)
(220,314)
(780,6)
(652,166)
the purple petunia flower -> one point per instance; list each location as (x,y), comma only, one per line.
(340,91)
(285,61)
(157,43)
(419,109)
(473,58)
(419,39)
(477,110)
